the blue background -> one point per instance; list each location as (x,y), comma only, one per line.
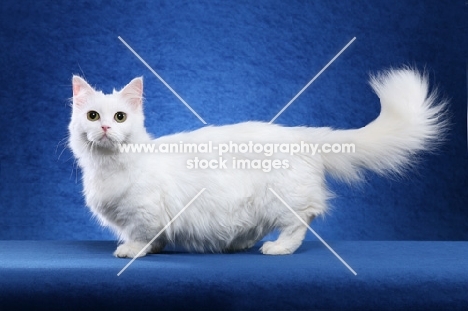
(232,61)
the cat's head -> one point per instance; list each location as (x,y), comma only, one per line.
(103,121)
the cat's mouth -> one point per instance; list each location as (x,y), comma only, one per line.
(106,140)
(103,140)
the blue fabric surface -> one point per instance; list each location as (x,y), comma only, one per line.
(77,275)
(231,61)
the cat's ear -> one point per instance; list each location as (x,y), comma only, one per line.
(133,92)
(81,90)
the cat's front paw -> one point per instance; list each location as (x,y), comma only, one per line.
(274,248)
(131,250)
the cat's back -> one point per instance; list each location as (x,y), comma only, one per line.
(255,131)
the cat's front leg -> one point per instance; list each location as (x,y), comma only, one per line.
(131,249)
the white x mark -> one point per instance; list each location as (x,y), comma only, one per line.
(277,115)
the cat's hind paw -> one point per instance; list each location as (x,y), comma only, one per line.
(131,250)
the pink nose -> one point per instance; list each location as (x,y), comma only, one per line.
(105,128)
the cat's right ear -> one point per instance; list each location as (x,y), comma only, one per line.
(81,90)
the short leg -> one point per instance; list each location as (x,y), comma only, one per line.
(131,249)
(241,246)
(289,240)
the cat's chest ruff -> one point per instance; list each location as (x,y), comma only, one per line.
(105,188)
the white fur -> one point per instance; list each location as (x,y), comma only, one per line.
(137,194)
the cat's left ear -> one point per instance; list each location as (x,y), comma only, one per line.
(133,92)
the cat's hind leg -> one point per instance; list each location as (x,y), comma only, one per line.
(292,223)
(289,239)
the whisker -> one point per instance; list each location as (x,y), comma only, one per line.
(62,142)
(63,150)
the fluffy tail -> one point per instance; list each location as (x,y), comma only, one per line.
(411,120)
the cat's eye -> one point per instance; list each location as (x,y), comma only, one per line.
(120,116)
(93,115)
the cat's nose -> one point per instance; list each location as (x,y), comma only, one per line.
(105,128)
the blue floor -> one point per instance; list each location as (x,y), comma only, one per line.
(82,275)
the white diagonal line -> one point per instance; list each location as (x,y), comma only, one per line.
(313,79)
(160,232)
(315,233)
(162,80)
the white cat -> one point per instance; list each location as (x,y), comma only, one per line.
(137,194)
